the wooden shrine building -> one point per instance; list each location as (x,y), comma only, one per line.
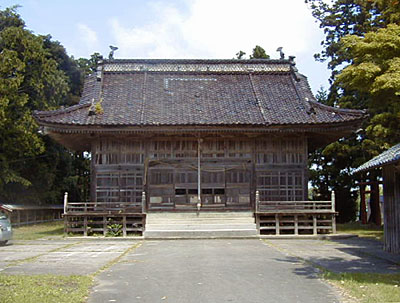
(192,134)
(389,161)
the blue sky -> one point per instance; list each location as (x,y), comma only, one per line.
(180,28)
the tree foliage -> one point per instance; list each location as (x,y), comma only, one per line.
(258,53)
(339,18)
(29,79)
(35,74)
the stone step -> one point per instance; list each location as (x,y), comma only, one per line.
(193,227)
(200,234)
(201,221)
(186,225)
(200,214)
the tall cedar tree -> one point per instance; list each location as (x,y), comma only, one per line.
(35,74)
(361,49)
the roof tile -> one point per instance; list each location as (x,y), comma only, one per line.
(199,92)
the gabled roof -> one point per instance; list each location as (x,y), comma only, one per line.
(387,157)
(260,93)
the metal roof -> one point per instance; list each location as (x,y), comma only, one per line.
(387,157)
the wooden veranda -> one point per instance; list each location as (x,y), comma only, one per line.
(271,217)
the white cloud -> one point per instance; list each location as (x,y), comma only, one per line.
(87,36)
(219,29)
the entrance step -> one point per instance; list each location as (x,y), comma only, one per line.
(187,225)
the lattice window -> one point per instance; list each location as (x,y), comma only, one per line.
(280,186)
(212,177)
(119,186)
(268,151)
(161,177)
(185,177)
(237,176)
(161,149)
(185,149)
(239,149)
(285,151)
(213,148)
(293,151)
(117,152)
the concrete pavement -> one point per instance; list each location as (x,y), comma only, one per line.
(341,255)
(252,270)
(210,271)
(60,257)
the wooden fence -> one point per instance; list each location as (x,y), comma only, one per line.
(32,214)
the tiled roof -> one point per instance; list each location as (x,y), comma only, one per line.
(387,157)
(198,92)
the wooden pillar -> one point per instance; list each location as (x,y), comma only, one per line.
(124,226)
(363,207)
(333,223)
(93,173)
(375,205)
(65,225)
(257,201)
(257,218)
(199,174)
(333,218)
(315,231)
(104,226)
(85,227)
(277,230)
(65,202)
(143,202)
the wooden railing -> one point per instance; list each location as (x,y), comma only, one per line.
(294,206)
(101,207)
(295,217)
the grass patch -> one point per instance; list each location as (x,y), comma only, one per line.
(37,231)
(366,231)
(44,288)
(368,287)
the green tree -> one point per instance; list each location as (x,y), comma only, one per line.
(359,37)
(29,79)
(259,53)
(375,71)
(89,66)
(35,74)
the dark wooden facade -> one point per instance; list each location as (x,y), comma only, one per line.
(232,168)
(391,192)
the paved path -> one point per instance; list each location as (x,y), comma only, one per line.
(61,257)
(346,255)
(210,271)
(200,270)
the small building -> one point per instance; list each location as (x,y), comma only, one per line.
(390,163)
(32,214)
(198,134)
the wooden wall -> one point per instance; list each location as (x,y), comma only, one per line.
(232,169)
(391,192)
